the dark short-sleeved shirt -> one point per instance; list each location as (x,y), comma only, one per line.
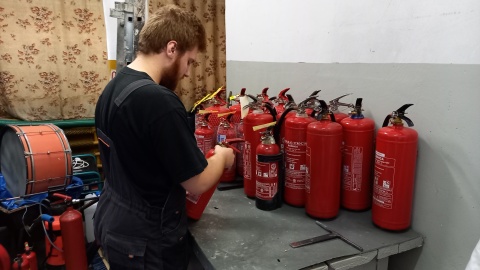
(150,130)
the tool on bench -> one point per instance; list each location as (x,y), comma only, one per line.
(321,238)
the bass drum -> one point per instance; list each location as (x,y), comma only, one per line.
(34,158)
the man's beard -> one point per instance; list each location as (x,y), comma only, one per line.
(170,76)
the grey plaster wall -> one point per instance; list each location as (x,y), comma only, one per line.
(446,97)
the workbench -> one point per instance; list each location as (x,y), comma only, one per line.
(234,234)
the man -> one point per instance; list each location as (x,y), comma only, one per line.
(149,153)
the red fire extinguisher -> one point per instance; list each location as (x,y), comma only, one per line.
(334,104)
(324,159)
(269,173)
(54,243)
(73,236)
(394,173)
(252,138)
(226,131)
(204,134)
(196,203)
(358,134)
(19,263)
(4,259)
(295,150)
(30,256)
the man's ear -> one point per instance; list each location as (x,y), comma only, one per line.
(171,48)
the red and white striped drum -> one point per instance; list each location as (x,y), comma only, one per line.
(34,158)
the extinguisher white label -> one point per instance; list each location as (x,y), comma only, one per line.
(247,163)
(203,143)
(295,164)
(193,197)
(267,180)
(352,168)
(383,181)
(221,138)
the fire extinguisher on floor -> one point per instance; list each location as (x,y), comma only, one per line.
(73,236)
(324,159)
(394,173)
(269,172)
(294,151)
(358,134)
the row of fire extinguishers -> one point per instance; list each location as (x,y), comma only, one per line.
(325,159)
(65,244)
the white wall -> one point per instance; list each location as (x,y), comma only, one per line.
(312,31)
(390,53)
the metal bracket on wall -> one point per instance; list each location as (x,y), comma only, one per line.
(130,20)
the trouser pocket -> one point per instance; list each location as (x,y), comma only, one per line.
(124,252)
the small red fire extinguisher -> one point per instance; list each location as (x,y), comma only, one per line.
(204,134)
(358,134)
(334,104)
(73,236)
(19,263)
(30,256)
(394,173)
(4,258)
(258,116)
(269,173)
(324,159)
(196,203)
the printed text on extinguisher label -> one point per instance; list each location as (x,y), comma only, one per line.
(203,143)
(267,180)
(193,198)
(295,164)
(383,182)
(352,168)
(247,163)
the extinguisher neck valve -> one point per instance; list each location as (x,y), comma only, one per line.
(268,139)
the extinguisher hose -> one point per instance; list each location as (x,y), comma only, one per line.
(278,126)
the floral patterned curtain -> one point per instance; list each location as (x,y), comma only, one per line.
(53,60)
(209,72)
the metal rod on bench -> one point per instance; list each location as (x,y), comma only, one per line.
(331,235)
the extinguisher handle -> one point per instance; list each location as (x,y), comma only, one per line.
(264,92)
(332,117)
(407,120)
(387,120)
(242,91)
(315,93)
(282,93)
